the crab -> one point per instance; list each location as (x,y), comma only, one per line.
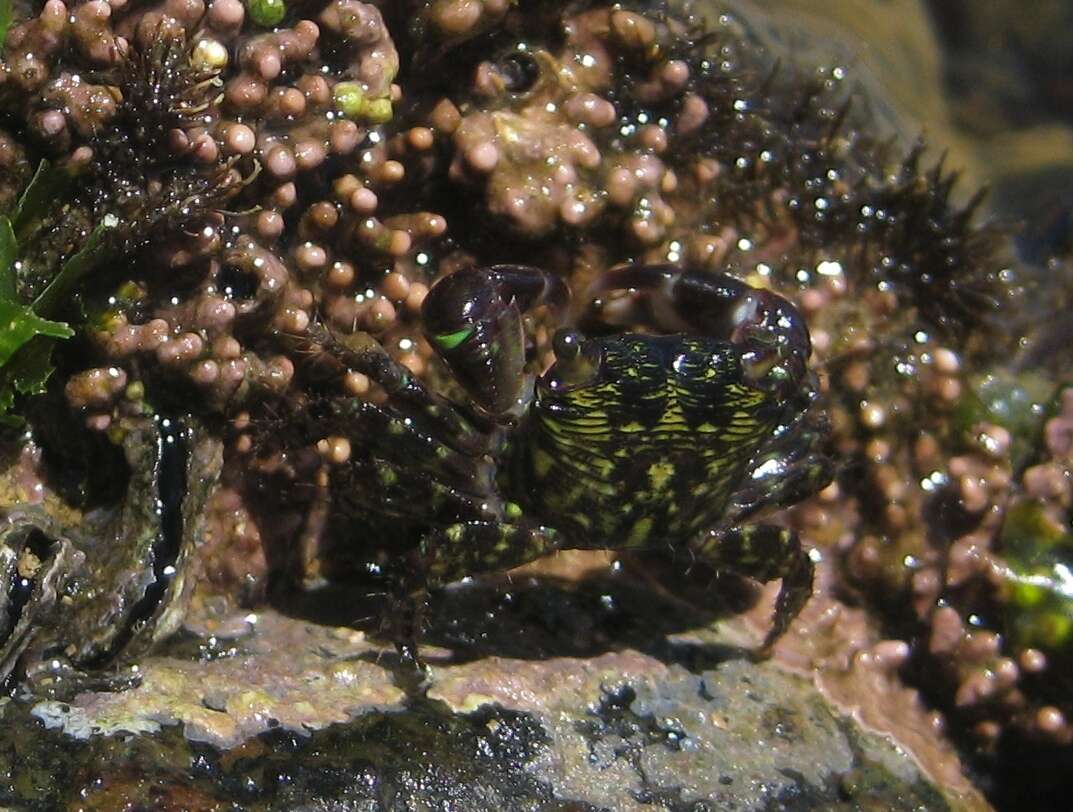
(628,441)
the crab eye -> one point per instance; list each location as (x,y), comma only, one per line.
(577,361)
(519,71)
(566,344)
(448,341)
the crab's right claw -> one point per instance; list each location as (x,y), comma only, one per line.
(473,319)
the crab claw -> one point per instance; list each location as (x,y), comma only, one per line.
(473,319)
(773,337)
(769,332)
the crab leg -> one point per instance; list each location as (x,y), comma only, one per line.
(452,553)
(362,353)
(763,552)
(788,472)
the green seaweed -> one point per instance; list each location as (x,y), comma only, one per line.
(1039,557)
(74,269)
(267,13)
(19,325)
(5,20)
(26,338)
(8,252)
(47,184)
(351,101)
(1018,402)
(27,331)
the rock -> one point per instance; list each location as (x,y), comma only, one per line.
(297,715)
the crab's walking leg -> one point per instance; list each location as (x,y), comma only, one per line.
(402,624)
(450,554)
(763,552)
(468,548)
(362,353)
(781,482)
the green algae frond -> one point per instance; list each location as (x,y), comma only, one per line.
(27,334)
(267,13)
(1039,582)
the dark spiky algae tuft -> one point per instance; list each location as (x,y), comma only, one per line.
(134,178)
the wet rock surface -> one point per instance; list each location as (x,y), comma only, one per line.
(290,715)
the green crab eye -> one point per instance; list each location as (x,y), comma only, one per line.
(448,341)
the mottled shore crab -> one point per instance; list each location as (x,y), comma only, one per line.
(628,441)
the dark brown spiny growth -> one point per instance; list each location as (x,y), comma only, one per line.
(801,153)
(142,165)
(163,91)
(137,167)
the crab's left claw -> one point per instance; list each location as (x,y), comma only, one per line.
(774,339)
(768,330)
(473,319)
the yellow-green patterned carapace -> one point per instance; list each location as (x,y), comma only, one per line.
(650,448)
